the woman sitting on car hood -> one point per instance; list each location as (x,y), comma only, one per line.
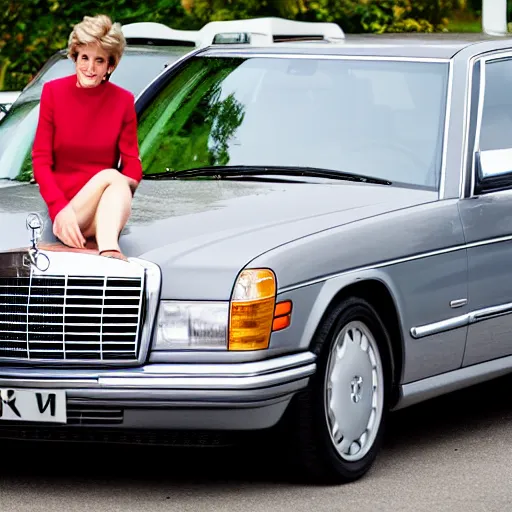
(87,126)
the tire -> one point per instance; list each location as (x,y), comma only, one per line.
(345,368)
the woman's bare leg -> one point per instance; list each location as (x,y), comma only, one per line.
(86,201)
(111,216)
(102,208)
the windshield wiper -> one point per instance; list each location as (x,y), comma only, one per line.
(227,171)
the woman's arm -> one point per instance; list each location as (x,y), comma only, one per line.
(65,225)
(42,156)
(131,166)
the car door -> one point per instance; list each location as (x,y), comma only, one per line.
(487,215)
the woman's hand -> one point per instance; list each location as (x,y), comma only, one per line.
(66,228)
(133,184)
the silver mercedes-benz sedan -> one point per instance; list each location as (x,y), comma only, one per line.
(323,236)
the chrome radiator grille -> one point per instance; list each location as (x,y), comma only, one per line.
(70,318)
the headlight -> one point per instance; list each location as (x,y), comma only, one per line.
(192,325)
(244,323)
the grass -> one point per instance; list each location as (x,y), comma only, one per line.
(465,26)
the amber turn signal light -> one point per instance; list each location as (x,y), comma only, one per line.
(252,310)
(282,315)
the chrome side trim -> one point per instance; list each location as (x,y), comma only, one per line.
(449,99)
(492,312)
(396,261)
(438,327)
(479,315)
(489,241)
(438,385)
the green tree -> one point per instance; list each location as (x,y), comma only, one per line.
(32,30)
(379,16)
(218,10)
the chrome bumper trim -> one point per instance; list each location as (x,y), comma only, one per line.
(194,377)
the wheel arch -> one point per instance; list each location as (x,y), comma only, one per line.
(378,292)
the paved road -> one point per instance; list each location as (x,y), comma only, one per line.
(450,454)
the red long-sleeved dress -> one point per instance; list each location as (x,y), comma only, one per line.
(80,132)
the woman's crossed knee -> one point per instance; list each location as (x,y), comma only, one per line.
(109,177)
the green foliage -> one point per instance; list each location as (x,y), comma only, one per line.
(379,16)
(224,117)
(218,10)
(32,30)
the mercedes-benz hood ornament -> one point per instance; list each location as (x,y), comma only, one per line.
(37,258)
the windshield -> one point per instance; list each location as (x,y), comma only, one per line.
(17,132)
(378,118)
(17,129)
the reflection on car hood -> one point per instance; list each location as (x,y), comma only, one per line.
(186,225)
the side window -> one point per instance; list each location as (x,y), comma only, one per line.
(494,155)
(496,127)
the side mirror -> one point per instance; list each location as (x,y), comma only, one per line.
(494,169)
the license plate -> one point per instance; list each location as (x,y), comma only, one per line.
(33,405)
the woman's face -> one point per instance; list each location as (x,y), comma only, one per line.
(91,65)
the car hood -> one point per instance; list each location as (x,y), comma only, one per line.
(202,232)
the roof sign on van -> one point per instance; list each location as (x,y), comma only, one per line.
(256,31)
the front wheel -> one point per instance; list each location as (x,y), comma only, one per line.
(339,420)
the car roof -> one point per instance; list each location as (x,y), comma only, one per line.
(413,45)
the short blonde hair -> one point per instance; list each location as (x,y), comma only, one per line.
(98,29)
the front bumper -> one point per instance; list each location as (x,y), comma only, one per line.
(241,396)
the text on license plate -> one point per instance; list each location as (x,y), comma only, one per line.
(33,405)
